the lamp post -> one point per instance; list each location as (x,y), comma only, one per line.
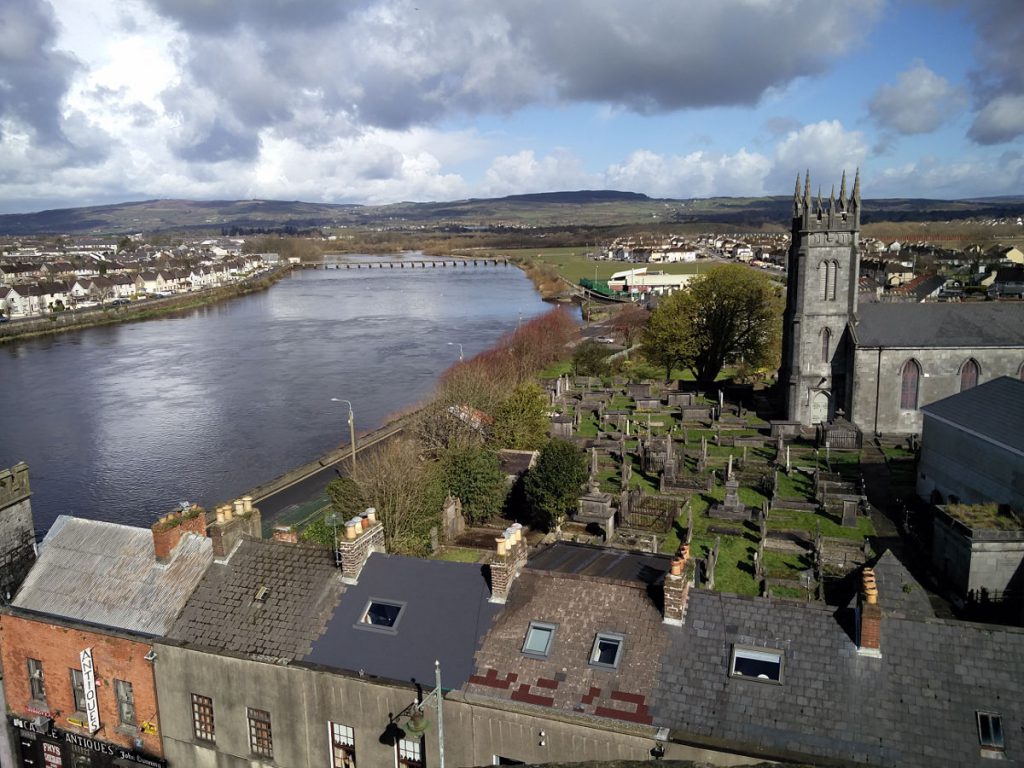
(457,344)
(351,428)
(417,723)
(332,520)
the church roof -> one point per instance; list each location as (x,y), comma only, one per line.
(987,324)
(994,410)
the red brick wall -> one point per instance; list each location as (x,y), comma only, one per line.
(58,648)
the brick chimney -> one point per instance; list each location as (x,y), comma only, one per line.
(234,521)
(677,588)
(869,617)
(170,529)
(363,535)
(506,562)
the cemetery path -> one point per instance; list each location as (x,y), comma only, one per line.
(876,482)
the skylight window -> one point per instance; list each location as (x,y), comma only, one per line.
(762,664)
(538,639)
(607,650)
(990,731)
(381,615)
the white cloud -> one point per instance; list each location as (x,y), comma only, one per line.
(919,102)
(523,172)
(698,174)
(826,149)
(1000,120)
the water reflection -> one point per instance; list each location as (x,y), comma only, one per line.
(121,423)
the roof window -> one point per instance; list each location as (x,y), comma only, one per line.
(538,639)
(381,615)
(762,664)
(607,650)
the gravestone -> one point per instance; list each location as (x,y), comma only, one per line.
(850,507)
(732,508)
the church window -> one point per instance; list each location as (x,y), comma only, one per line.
(826,343)
(909,388)
(823,279)
(968,375)
(833,277)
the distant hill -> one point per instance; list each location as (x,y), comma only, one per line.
(594,208)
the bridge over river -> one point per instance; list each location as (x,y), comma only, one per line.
(406,263)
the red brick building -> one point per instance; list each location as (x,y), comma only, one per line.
(76,641)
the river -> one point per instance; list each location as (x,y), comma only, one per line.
(122,423)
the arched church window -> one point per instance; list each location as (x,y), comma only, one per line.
(823,279)
(968,375)
(826,344)
(909,386)
(833,278)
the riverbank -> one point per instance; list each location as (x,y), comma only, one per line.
(73,320)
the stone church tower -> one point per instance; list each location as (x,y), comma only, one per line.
(821,299)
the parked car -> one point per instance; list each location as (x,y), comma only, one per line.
(119,302)
(606,339)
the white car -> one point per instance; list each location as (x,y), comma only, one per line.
(606,339)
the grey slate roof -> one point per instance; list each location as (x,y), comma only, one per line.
(107,574)
(446,612)
(986,324)
(994,410)
(914,706)
(225,614)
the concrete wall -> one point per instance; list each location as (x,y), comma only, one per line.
(302,701)
(878,381)
(976,471)
(991,561)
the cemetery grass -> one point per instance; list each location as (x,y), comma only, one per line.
(460,554)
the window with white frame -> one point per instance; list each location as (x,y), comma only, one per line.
(202,717)
(762,664)
(410,753)
(35,680)
(990,731)
(125,702)
(607,650)
(538,639)
(261,740)
(343,745)
(78,689)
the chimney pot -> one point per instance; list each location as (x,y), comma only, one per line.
(350,529)
(502,543)
(247,504)
(371,514)
(239,507)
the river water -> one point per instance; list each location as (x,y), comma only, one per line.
(122,423)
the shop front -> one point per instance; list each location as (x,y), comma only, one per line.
(41,745)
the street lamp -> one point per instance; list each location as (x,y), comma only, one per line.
(457,344)
(332,520)
(417,723)
(351,428)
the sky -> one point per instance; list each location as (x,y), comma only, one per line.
(381,101)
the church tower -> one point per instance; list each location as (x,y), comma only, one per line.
(821,299)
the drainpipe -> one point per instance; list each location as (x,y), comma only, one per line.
(878,387)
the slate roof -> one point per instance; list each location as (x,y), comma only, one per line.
(446,610)
(106,574)
(914,706)
(983,324)
(993,410)
(579,607)
(226,614)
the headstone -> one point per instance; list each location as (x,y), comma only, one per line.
(787,459)
(850,507)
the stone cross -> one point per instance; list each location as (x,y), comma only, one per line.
(728,475)
(627,427)
(721,400)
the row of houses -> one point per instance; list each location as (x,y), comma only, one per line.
(25,299)
(198,643)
